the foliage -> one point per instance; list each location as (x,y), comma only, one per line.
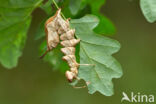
(148,8)
(14,22)
(105,26)
(103,67)
(74,6)
(15,18)
(54,57)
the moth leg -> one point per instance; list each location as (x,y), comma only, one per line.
(78,87)
(41,57)
(86,64)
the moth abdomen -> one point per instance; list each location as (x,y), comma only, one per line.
(70,43)
(68,50)
(71,60)
(68,35)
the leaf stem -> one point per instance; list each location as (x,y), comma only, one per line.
(58,8)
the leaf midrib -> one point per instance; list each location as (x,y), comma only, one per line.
(94,68)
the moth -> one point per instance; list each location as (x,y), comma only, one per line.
(51,30)
(68,41)
(58,31)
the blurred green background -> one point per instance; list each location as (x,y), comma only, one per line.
(34,82)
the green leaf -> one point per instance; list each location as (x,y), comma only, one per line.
(90,21)
(148,8)
(96,5)
(74,6)
(54,57)
(40,32)
(47,7)
(14,22)
(105,26)
(96,50)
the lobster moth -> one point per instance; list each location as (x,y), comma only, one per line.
(58,31)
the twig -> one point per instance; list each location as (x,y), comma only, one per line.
(58,8)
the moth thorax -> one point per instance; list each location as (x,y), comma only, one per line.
(63,24)
(57,25)
(70,43)
(70,76)
(68,50)
(60,31)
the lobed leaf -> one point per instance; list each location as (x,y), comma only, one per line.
(14,22)
(148,8)
(105,26)
(96,50)
(40,32)
(74,6)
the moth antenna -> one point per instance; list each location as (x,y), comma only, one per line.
(41,57)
